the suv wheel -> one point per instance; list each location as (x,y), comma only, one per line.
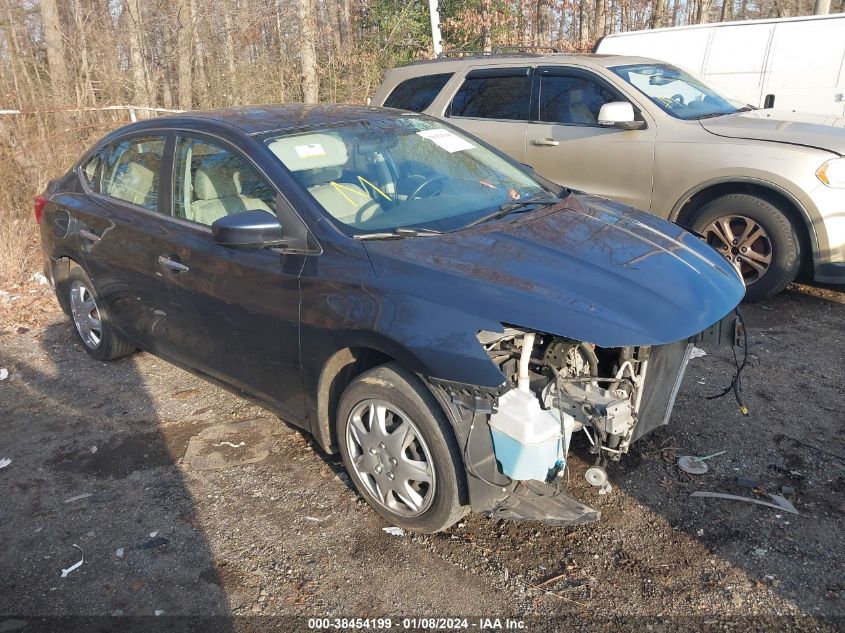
(400,450)
(756,237)
(91,322)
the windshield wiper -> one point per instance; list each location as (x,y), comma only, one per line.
(396,234)
(512,207)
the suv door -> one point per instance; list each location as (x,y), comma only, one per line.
(495,104)
(234,313)
(118,227)
(566,144)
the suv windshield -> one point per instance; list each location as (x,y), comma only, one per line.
(676,92)
(406,172)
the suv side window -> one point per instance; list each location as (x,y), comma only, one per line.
(571,99)
(498,93)
(132,169)
(417,93)
(211,181)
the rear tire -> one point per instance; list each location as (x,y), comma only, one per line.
(92,323)
(412,474)
(757,238)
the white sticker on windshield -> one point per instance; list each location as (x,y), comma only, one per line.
(312,150)
(446,140)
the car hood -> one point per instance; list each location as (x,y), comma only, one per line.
(809,130)
(587,269)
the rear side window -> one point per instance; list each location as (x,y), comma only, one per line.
(417,93)
(494,96)
(571,99)
(132,170)
(91,171)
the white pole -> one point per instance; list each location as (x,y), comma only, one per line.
(436,38)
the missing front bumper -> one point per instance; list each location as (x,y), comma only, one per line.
(536,501)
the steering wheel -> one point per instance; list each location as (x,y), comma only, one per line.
(427,183)
(678,98)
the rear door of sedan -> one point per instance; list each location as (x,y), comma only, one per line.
(119,227)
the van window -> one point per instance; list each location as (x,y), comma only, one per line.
(417,93)
(572,100)
(494,96)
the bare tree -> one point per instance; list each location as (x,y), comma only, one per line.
(184,65)
(132,10)
(486,36)
(658,13)
(307,52)
(55,50)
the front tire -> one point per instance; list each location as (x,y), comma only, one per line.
(757,238)
(400,450)
(91,321)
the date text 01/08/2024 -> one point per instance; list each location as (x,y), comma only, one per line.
(411,624)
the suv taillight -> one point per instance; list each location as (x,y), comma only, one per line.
(40,201)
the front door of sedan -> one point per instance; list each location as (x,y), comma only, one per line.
(233,313)
(566,144)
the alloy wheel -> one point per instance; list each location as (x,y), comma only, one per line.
(744,243)
(85,314)
(390,457)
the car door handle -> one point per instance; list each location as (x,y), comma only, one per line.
(544,142)
(170,264)
(89,235)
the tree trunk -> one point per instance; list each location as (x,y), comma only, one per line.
(657,14)
(54,42)
(703,13)
(231,69)
(822,7)
(486,38)
(599,19)
(727,10)
(345,19)
(136,52)
(307,52)
(583,27)
(184,67)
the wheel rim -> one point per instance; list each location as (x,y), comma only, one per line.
(86,315)
(390,457)
(744,243)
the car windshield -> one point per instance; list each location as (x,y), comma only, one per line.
(408,172)
(676,92)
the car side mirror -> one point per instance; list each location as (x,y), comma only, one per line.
(248,229)
(619,114)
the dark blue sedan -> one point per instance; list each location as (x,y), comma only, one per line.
(439,314)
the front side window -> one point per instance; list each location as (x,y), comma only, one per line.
(132,169)
(493,96)
(404,172)
(211,181)
(571,99)
(417,93)
(676,92)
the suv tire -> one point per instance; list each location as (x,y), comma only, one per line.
(755,235)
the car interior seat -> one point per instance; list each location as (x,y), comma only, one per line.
(579,111)
(218,191)
(135,179)
(317,162)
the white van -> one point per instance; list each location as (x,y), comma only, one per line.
(790,63)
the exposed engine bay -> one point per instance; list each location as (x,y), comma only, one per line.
(561,387)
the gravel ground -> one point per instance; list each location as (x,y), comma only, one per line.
(277,531)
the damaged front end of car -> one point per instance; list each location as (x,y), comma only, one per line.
(516,439)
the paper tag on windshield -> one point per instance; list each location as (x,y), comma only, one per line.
(312,150)
(446,140)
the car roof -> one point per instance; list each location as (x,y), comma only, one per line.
(447,63)
(259,119)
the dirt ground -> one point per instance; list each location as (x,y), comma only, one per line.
(277,531)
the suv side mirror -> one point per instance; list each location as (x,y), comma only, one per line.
(619,114)
(248,229)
